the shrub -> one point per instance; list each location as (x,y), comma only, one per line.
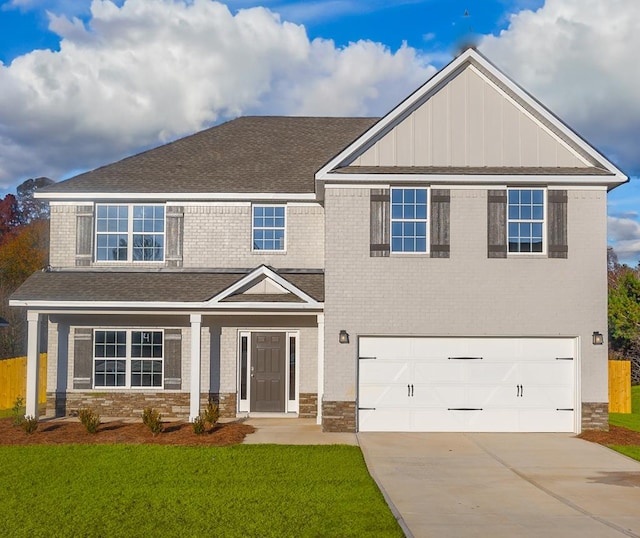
(152,419)
(199,424)
(90,419)
(211,413)
(30,424)
(18,410)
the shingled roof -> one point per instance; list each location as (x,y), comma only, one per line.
(167,287)
(268,154)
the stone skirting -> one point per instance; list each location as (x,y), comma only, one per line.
(308,406)
(226,403)
(338,416)
(595,416)
(131,404)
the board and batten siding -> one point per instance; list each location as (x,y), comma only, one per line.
(470,122)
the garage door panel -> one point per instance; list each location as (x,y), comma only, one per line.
(383,396)
(437,420)
(492,396)
(549,372)
(545,397)
(438,396)
(442,371)
(487,372)
(546,420)
(492,420)
(384,420)
(384,371)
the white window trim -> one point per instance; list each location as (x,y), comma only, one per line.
(426,221)
(290,406)
(128,359)
(283,250)
(544,224)
(130,234)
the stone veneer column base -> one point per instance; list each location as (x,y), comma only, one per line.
(339,416)
(595,416)
(308,406)
(226,403)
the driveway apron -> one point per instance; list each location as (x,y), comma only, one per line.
(524,485)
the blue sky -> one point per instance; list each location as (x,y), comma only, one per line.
(84,84)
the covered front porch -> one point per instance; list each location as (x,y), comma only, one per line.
(255,348)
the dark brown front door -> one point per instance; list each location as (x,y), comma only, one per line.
(268,368)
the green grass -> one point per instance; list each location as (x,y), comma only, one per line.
(145,490)
(629,420)
(631,451)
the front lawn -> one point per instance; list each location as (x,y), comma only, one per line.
(145,490)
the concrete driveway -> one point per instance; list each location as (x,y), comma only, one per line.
(515,485)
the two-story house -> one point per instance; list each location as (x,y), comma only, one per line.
(442,268)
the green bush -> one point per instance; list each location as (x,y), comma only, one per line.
(30,424)
(18,410)
(199,424)
(89,419)
(152,419)
(211,413)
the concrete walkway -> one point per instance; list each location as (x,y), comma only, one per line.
(511,485)
(293,431)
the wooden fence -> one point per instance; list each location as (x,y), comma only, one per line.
(13,381)
(619,386)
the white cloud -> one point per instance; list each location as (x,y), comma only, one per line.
(580,58)
(148,71)
(624,236)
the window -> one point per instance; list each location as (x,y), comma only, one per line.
(409,220)
(525,222)
(130,233)
(128,358)
(268,227)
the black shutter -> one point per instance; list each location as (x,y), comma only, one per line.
(557,244)
(84,235)
(82,358)
(173,359)
(440,210)
(174,233)
(497,223)
(380,242)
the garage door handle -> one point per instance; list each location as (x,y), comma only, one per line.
(464,408)
(465,358)
(412,391)
(519,391)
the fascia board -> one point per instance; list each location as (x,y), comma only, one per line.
(162,196)
(470,179)
(128,306)
(434,82)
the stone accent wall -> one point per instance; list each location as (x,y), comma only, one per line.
(308,406)
(338,416)
(226,403)
(117,404)
(595,416)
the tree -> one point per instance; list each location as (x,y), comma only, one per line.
(9,216)
(23,252)
(624,313)
(29,207)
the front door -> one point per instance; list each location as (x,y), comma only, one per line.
(268,369)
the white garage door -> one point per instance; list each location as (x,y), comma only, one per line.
(466,384)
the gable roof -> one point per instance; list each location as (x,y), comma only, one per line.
(270,154)
(473,104)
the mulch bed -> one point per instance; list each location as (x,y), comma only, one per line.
(65,431)
(615,436)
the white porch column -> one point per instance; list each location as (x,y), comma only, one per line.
(33,360)
(320,365)
(196,325)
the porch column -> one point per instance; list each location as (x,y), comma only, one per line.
(320,366)
(33,360)
(196,325)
